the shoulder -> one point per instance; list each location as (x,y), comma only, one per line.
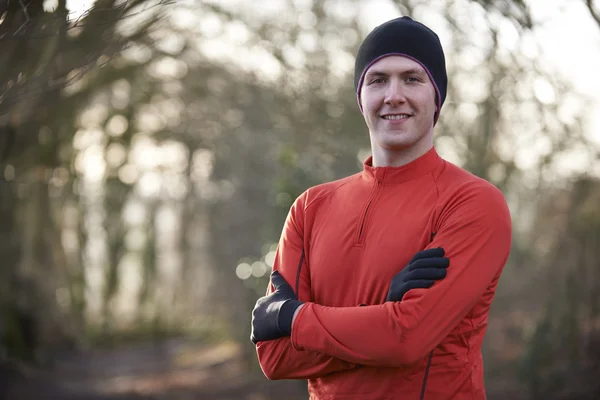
(461,192)
(454,181)
(317,194)
(310,201)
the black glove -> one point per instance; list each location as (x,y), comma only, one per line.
(272,314)
(422,271)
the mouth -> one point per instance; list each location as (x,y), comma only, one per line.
(395,117)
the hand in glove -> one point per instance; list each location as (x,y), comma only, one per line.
(422,271)
(272,314)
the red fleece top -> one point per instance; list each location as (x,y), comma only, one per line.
(342,243)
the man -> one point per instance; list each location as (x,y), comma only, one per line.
(391,271)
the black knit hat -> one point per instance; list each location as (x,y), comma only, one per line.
(406,37)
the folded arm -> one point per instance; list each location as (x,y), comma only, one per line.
(475,232)
(278,358)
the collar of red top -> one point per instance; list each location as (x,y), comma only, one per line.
(414,169)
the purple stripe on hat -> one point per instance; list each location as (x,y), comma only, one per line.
(362,77)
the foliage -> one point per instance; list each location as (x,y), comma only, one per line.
(148,166)
(562,356)
(54,53)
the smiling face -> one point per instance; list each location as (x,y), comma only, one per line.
(399,103)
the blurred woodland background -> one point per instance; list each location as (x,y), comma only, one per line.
(150,150)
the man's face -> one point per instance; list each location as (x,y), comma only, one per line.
(399,103)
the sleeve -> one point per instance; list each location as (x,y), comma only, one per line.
(474,228)
(278,358)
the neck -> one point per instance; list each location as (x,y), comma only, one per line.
(385,157)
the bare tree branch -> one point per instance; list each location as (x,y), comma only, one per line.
(593,12)
(27,19)
(33,78)
(514,10)
(39,29)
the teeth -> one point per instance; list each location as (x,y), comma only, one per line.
(396,116)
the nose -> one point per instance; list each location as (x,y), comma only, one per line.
(394,94)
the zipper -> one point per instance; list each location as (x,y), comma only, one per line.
(363,218)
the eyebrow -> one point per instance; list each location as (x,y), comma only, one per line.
(412,71)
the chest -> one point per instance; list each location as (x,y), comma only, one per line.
(356,246)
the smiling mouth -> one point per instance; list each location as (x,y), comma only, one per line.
(395,117)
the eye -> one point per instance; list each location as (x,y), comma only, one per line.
(413,79)
(376,80)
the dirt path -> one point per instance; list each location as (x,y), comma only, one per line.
(173,369)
